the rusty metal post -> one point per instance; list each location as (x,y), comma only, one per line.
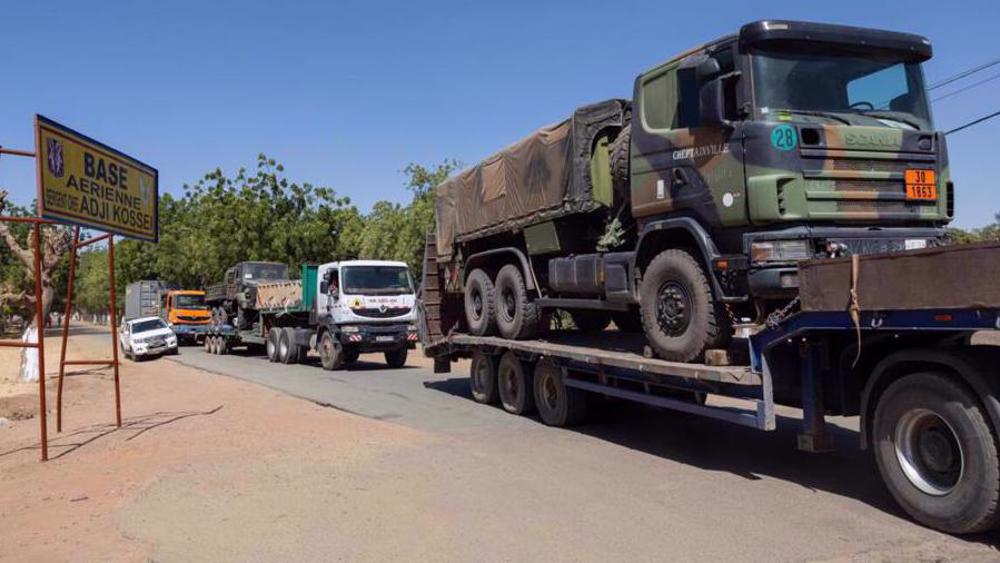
(114,329)
(40,321)
(65,328)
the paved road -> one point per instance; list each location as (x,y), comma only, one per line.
(632,482)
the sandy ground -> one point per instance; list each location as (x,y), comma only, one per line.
(177,422)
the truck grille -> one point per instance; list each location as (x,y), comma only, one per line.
(386,313)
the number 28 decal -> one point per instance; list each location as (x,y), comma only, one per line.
(783,138)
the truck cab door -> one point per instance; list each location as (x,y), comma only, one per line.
(678,163)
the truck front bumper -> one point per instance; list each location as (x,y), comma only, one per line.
(378,338)
(192,332)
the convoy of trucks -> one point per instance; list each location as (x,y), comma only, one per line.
(762,222)
(338,310)
(766,211)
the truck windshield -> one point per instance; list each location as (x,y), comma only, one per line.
(850,88)
(376,280)
(189,301)
(146,326)
(265,271)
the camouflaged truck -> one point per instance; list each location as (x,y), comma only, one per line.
(689,207)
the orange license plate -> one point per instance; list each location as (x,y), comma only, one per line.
(921,184)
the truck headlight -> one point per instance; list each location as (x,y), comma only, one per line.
(780,251)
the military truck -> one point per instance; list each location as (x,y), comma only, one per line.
(233,300)
(338,310)
(688,208)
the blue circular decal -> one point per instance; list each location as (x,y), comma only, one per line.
(784,138)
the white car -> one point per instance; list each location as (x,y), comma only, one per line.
(147,336)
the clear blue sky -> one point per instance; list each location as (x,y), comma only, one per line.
(345,94)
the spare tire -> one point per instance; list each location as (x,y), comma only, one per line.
(620,167)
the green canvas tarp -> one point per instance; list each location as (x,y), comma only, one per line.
(543,176)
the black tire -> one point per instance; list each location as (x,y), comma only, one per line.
(480,303)
(330,352)
(557,404)
(288,350)
(590,321)
(680,317)
(207,344)
(483,378)
(515,385)
(516,313)
(350,355)
(396,359)
(271,344)
(223,345)
(627,321)
(937,453)
(619,156)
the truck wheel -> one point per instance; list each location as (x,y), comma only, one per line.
(271,344)
(558,405)
(517,315)
(396,358)
(480,303)
(590,321)
(514,383)
(288,351)
(208,344)
(627,321)
(350,355)
(330,352)
(679,315)
(937,453)
(483,378)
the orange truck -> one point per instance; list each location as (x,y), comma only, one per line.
(183,309)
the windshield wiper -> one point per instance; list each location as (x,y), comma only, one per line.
(816,113)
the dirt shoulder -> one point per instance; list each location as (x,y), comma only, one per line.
(177,422)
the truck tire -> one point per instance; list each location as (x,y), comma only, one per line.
(288,350)
(517,315)
(515,385)
(590,321)
(937,453)
(680,317)
(330,352)
(396,359)
(483,378)
(627,321)
(271,344)
(208,344)
(557,404)
(480,303)
(619,156)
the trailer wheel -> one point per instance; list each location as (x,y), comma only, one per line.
(288,351)
(330,352)
(680,317)
(937,453)
(396,358)
(590,321)
(480,303)
(627,321)
(483,378)
(207,344)
(271,344)
(558,405)
(515,385)
(517,315)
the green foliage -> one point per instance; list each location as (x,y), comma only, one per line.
(989,233)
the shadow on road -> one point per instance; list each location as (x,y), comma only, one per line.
(65,444)
(714,445)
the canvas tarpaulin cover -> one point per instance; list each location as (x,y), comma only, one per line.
(543,176)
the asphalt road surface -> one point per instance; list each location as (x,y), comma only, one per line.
(631,482)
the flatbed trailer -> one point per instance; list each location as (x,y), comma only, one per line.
(808,361)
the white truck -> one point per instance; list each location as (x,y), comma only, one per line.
(338,310)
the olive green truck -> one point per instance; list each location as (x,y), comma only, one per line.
(686,210)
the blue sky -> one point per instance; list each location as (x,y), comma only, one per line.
(345,94)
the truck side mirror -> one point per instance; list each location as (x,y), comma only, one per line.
(713,103)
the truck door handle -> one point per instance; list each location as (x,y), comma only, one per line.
(680,177)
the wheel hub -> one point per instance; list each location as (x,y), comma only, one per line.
(673,308)
(928,452)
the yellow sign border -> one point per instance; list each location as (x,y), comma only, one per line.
(57,129)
